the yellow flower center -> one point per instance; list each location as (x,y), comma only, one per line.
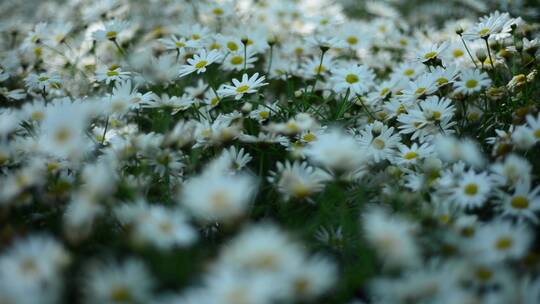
(217,11)
(520,202)
(352,40)
(232,46)
(471,189)
(408,72)
(301,285)
(471,83)
(111,35)
(351,78)
(457,53)
(410,155)
(484,274)
(236,60)
(420,91)
(503,243)
(537,133)
(467,232)
(219,200)
(242,89)
(28,265)
(291,125)
(300,190)
(180,44)
(430,55)
(319,69)
(379,143)
(62,135)
(120,294)
(38,116)
(436,115)
(112,73)
(444,218)
(309,137)
(195,37)
(442,81)
(264,114)
(483,32)
(201,64)
(43,78)
(384,92)
(165,227)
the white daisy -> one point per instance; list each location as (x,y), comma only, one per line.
(199,62)
(245,86)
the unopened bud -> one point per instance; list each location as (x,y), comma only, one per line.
(247,107)
(481,55)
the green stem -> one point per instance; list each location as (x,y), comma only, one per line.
(318,73)
(489,54)
(120,49)
(468,52)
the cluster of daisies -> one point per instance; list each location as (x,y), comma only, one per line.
(250,152)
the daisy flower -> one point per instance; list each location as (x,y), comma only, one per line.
(512,171)
(534,125)
(235,60)
(43,81)
(298,180)
(432,53)
(379,141)
(112,73)
(421,87)
(157,225)
(110,30)
(472,81)
(391,236)
(326,42)
(264,112)
(313,66)
(497,25)
(410,70)
(337,151)
(245,86)
(199,62)
(112,282)
(444,76)
(412,154)
(523,203)
(499,241)
(358,79)
(472,190)
(179,44)
(217,196)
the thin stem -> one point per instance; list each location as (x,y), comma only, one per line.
(489,54)
(44,95)
(365,107)
(105,130)
(318,72)
(468,51)
(343,103)
(120,49)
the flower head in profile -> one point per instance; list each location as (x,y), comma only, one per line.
(245,86)
(199,62)
(110,31)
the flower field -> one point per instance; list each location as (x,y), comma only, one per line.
(261,152)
